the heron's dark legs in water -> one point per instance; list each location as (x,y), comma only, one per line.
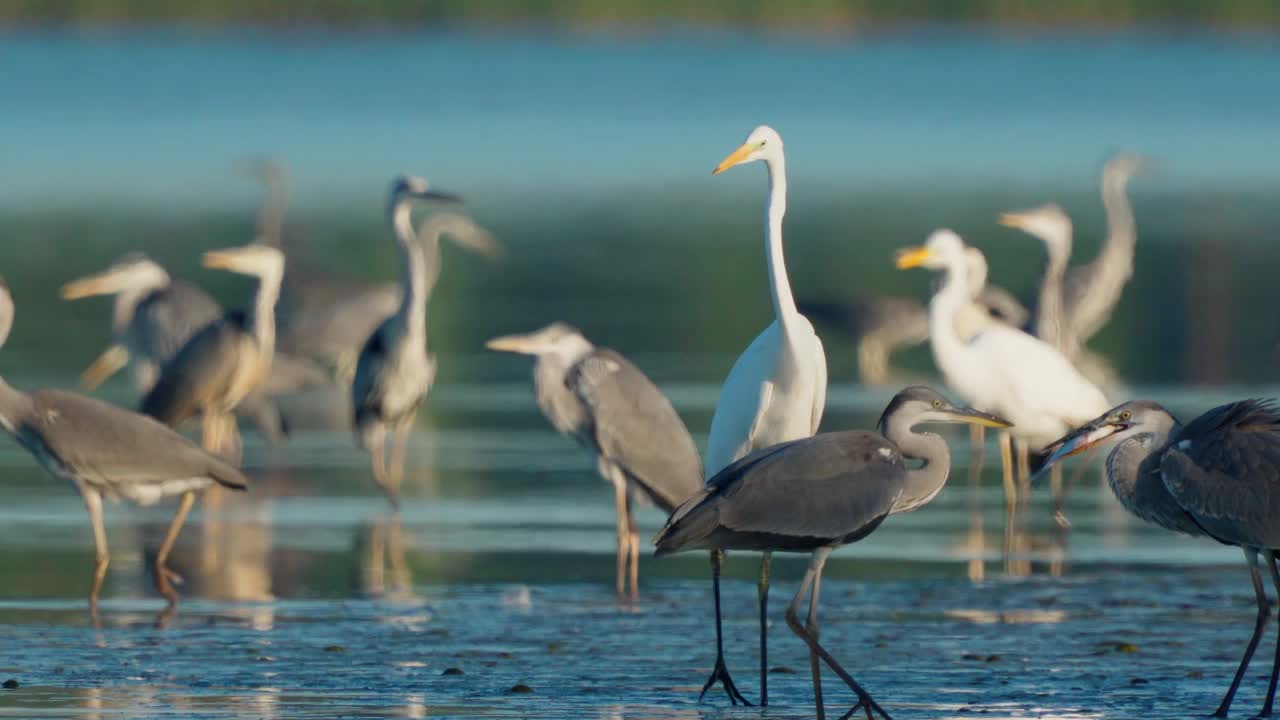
(1270,557)
(720,672)
(865,701)
(164,576)
(93,502)
(1250,556)
(766,566)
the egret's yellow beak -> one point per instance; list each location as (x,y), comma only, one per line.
(736,157)
(111,360)
(1011,219)
(912,257)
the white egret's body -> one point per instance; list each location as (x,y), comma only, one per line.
(777,389)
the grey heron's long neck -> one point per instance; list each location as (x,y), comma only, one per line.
(1113,266)
(558,402)
(1125,463)
(15,405)
(263,318)
(412,313)
(784,305)
(1049,317)
(924,482)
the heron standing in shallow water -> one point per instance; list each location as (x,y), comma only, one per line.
(1218,476)
(110,452)
(819,493)
(152,317)
(603,401)
(226,360)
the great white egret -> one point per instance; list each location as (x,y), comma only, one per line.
(777,389)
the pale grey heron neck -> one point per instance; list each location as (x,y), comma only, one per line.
(108,452)
(602,400)
(1216,476)
(152,317)
(226,360)
(394,371)
(1052,226)
(819,493)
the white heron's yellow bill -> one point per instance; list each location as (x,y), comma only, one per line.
(912,257)
(107,364)
(736,157)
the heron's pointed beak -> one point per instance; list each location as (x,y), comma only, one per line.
(1012,219)
(99,284)
(735,157)
(440,196)
(912,257)
(522,344)
(970,416)
(222,259)
(482,242)
(107,364)
(1080,439)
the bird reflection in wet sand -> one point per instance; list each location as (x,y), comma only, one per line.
(384,570)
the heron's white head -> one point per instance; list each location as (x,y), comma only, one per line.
(262,261)
(559,339)
(943,249)
(133,272)
(408,187)
(764,143)
(1122,166)
(1048,222)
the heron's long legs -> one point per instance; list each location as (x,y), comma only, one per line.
(811,624)
(164,576)
(1006,469)
(762,589)
(1270,558)
(977,452)
(376,444)
(624,535)
(633,547)
(93,502)
(865,701)
(399,447)
(1250,556)
(720,672)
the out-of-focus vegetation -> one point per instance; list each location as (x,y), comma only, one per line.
(828,15)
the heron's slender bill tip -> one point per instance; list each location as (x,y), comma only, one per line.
(1013,220)
(507,343)
(78,289)
(218,260)
(442,196)
(975,417)
(734,158)
(912,257)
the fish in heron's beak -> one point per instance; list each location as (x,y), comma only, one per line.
(737,156)
(1081,439)
(912,257)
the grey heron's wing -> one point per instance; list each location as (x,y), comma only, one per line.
(900,320)
(113,445)
(166,319)
(201,369)
(291,373)
(634,426)
(1223,468)
(824,488)
(329,317)
(366,384)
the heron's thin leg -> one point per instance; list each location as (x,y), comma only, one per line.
(977,452)
(102,557)
(1006,469)
(399,448)
(1250,556)
(623,531)
(401,576)
(762,589)
(233,444)
(811,624)
(164,576)
(376,445)
(633,552)
(1270,558)
(720,672)
(1024,474)
(793,621)
(209,431)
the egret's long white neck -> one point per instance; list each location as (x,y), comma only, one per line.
(950,298)
(784,305)
(412,313)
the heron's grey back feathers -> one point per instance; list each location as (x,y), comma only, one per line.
(203,367)
(166,319)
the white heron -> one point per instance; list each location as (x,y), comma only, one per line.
(777,389)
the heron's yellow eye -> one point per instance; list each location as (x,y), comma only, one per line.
(937,404)
(1126,415)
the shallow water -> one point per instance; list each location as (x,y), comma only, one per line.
(307,599)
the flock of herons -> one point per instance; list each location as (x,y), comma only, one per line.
(773,483)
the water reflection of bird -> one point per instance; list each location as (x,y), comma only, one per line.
(1001,369)
(776,390)
(607,404)
(817,494)
(226,360)
(384,568)
(152,317)
(1216,476)
(106,451)
(394,371)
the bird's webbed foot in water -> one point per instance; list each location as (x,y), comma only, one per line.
(869,706)
(721,674)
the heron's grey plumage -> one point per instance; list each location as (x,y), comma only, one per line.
(198,374)
(166,319)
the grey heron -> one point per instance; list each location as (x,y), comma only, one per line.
(224,362)
(777,388)
(1052,226)
(152,317)
(819,493)
(394,371)
(1001,369)
(1217,476)
(606,403)
(109,452)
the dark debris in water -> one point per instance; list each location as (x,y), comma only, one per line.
(781,670)
(11,684)
(520,688)
(453,671)
(334,649)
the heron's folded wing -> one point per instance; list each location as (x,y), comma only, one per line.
(202,368)
(636,428)
(166,320)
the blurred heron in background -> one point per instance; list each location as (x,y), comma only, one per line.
(776,390)
(606,403)
(225,361)
(819,493)
(109,452)
(1218,476)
